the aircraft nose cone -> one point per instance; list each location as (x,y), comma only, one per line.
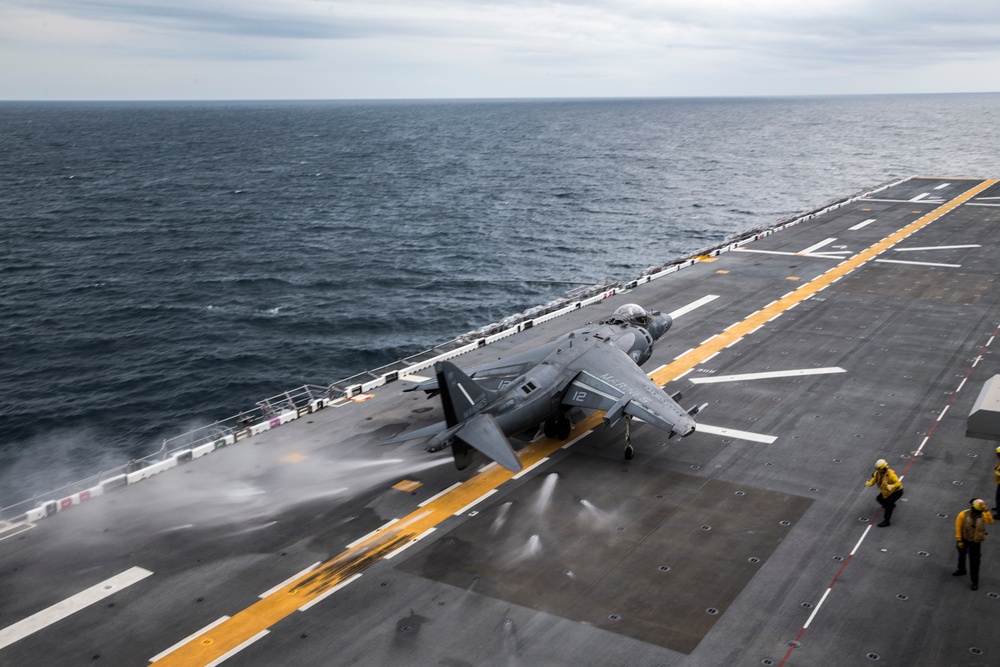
(660,325)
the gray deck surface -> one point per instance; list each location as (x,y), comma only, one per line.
(708,550)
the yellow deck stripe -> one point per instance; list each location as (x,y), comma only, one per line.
(715,345)
(226,636)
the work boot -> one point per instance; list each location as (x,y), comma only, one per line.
(885,522)
(958,573)
(975,587)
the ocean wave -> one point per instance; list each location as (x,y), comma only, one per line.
(181,275)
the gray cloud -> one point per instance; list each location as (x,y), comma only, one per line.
(247,19)
(513,47)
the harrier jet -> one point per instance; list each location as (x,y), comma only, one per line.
(552,385)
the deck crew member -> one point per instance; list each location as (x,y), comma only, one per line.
(996,478)
(970,532)
(890,489)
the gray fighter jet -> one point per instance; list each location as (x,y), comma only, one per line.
(554,385)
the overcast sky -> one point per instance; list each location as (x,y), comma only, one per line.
(351,49)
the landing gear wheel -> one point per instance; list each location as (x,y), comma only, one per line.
(629,452)
(558,427)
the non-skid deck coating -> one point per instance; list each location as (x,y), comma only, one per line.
(863,333)
(625,564)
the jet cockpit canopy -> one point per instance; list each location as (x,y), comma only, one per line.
(632,313)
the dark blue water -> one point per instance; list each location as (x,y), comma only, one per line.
(166,265)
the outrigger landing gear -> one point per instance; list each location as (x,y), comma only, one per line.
(629,451)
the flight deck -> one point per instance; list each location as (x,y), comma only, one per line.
(864,331)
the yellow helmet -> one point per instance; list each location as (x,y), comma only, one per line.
(998,450)
(881,463)
(979,505)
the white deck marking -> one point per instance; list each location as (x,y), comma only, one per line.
(438,495)
(921,196)
(14,529)
(292,578)
(71,605)
(764,252)
(893,201)
(577,439)
(821,601)
(734,433)
(184,641)
(942,186)
(861,539)
(475,502)
(330,592)
(530,468)
(768,375)
(939,247)
(684,310)
(230,653)
(410,543)
(901,261)
(371,534)
(861,225)
(789,254)
(972,203)
(817,246)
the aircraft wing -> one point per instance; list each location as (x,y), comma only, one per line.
(497,374)
(609,380)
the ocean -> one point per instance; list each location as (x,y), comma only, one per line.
(166,265)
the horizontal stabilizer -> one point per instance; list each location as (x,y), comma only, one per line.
(484,434)
(425,432)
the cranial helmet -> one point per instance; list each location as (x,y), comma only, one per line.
(881,463)
(978,505)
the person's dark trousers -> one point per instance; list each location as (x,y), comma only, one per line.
(889,504)
(974,549)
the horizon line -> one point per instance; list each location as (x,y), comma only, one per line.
(475,99)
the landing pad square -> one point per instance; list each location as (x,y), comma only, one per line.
(640,551)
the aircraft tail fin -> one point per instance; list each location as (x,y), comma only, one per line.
(463,401)
(461,397)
